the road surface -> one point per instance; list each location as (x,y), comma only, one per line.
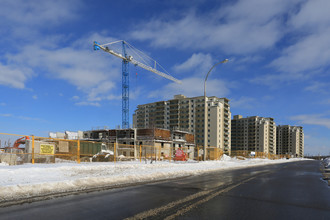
(292,190)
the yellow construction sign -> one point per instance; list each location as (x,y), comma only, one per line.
(47,149)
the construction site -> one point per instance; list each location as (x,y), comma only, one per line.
(101,145)
(180,129)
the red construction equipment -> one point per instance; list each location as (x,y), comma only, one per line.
(20,141)
(180,155)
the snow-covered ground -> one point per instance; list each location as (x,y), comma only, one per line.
(28,180)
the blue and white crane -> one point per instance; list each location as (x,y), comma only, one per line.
(126,54)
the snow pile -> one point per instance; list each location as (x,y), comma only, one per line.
(29,180)
(226,158)
(326,162)
(105,153)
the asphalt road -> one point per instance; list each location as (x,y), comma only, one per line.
(285,191)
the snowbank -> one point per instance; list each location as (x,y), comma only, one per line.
(30,180)
(326,162)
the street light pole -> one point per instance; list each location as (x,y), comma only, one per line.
(205,109)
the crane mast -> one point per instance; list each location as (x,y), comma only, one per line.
(125,90)
(126,59)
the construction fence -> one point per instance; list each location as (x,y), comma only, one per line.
(241,154)
(18,149)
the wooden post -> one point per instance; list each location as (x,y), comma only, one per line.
(114,153)
(170,154)
(32,149)
(78,151)
(197,153)
(140,152)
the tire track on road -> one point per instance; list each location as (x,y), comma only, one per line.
(186,204)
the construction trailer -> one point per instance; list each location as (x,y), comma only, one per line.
(149,142)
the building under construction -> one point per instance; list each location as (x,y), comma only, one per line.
(154,141)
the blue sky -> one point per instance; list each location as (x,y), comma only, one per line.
(52,80)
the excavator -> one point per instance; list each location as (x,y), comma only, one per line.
(15,148)
(20,141)
(14,155)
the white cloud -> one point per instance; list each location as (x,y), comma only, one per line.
(102,89)
(118,97)
(89,104)
(23,22)
(21,117)
(239,28)
(37,12)
(313,15)
(75,97)
(315,144)
(197,66)
(309,53)
(275,80)
(243,102)
(257,11)
(246,59)
(317,119)
(192,87)
(198,63)
(326,102)
(93,72)
(6,115)
(35,97)
(318,87)
(13,76)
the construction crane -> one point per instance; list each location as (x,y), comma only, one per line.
(126,54)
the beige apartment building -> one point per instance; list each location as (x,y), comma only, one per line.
(290,140)
(188,114)
(254,133)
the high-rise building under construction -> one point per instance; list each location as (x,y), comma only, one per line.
(253,133)
(290,140)
(188,114)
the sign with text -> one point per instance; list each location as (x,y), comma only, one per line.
(47,149)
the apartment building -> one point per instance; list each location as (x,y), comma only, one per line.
(253,134)
(290,140)
(188,114)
